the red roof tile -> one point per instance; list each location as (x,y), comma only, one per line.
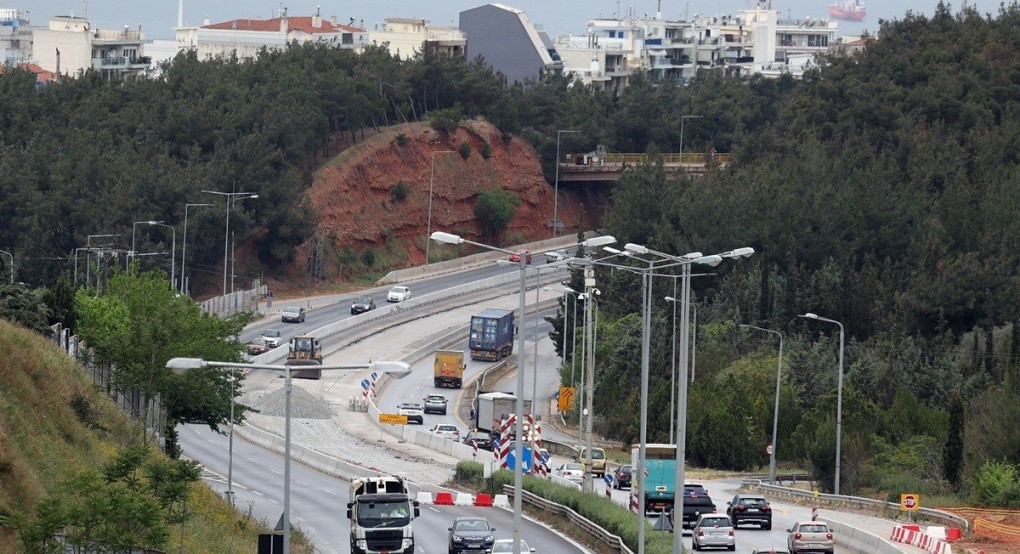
(293,24)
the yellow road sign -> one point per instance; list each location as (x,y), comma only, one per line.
(393,418)
(910,502)
(566,401)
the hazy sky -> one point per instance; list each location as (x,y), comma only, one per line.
(557,17)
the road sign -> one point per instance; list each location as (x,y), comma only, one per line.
(511,461)
(365,383)
(608,479)
(375,375)
(910,502)
(769,450)
(565,402)
(397,419)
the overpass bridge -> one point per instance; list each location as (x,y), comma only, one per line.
(604,166)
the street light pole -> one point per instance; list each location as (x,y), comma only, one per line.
(428,231)
(449,238)
(173,251)
(226,238)
(839,393)
(775,415)
(134,230)
(694,345)
(397,370)
(556,190)
(184,246)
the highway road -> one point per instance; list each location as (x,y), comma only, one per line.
(319,502)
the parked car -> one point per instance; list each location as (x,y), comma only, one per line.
(810,536)
(435,404)
(556,256)
(481,438)
(713,530)
(570,471)
(446,430)
(622,477)
(750,508)
(398,293)
(470,534)
(293,314)
(271,337)
(362,305)
(257,346)
(517,257)
(413,411)
(507,545)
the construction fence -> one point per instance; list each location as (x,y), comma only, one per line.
(994,523)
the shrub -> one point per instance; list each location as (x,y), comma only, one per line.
(446,121)
(469,473)
(494,210)
(368,257)
(399,192)
(402,140)
(465,150)
(996,484)
(486,150)
(507,137)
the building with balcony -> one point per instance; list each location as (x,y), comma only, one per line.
(244,38)
(508,41)
(15,37)
(405,37)
(70,45)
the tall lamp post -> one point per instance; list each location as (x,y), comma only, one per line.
(11,256)
(556,189)
(839,393)
(88,266)
(134,231)
(182,365)
(432,179)
(448,238)
(775,415)
(173,250)
(682,119)
(231,197)
(184,246)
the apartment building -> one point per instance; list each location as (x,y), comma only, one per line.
(15,37)
(404,37)
(244,38)
(509,42)
(70,45)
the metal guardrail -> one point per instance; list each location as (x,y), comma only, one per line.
(947,518)
(577,519)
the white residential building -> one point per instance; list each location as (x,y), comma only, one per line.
(404,37)
(15,37)
(70,45)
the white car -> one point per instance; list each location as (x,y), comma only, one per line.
(571,472)
(447,431)
(413,411)
(398,293)
(556,256)
(507,545)
(271,337)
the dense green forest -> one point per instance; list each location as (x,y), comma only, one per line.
(880,191)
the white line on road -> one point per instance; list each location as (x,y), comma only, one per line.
(334,494)
(278,473)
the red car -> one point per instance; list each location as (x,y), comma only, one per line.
(517,257)
(257,346)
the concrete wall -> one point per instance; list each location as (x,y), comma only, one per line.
(500,37)
(857,540)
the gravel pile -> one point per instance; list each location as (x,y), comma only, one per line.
(303,405)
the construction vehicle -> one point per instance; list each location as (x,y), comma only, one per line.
(491,335)
(381,512)
(449,368)
(305,358)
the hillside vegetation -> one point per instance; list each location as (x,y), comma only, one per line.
(61,444)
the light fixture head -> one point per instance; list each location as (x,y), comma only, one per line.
(585,262)
(611,250)
(635,248)
(745,252)
(182,365)
(397,370)
(446,238)
(596,242)
(809,315)
(692,255)
(670,299)
(712,261)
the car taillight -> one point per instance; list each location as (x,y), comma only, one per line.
(828,536)
(739,509)
(766,508)
(731,532)
(797,536)
(701,533)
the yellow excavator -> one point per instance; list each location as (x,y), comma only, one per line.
(305,358)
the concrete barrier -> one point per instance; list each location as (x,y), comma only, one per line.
(858,540)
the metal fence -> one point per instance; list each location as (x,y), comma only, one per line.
(236,302)
(589,526)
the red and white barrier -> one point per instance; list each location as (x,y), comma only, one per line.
(906,535)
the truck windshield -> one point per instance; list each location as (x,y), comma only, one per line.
(383,514)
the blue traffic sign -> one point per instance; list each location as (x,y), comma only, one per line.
(608,479)
(375,375)
(511,459)
(365,384)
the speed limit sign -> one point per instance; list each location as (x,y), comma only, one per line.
(769,450)
(910,502)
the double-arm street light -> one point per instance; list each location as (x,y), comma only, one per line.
(88,265)
(173,253)
(397,370)
(184,246)
(839,393)
(134,232)
(11,257)
(775,415)
(432,179)
(448,238)
(556,189)
(231,198)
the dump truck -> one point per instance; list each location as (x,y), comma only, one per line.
(492,407)
(449,368)
(491,335)
(381,512)
(305,358)
(660,484)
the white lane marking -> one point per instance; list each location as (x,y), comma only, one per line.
(252,460)
(330,492)
(302,483)
(257,492)
(274,471)
(433,509)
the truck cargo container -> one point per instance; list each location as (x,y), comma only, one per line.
(491,335)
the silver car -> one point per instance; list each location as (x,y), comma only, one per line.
(713,530)
(293,314)
(447,431)
(810,536)
(435,404)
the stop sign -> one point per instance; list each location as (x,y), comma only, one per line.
(909,501)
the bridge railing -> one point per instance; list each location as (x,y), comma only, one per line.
(617,159)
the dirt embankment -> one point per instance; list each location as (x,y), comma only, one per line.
(375,195)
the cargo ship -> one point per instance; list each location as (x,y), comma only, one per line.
(848,10)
